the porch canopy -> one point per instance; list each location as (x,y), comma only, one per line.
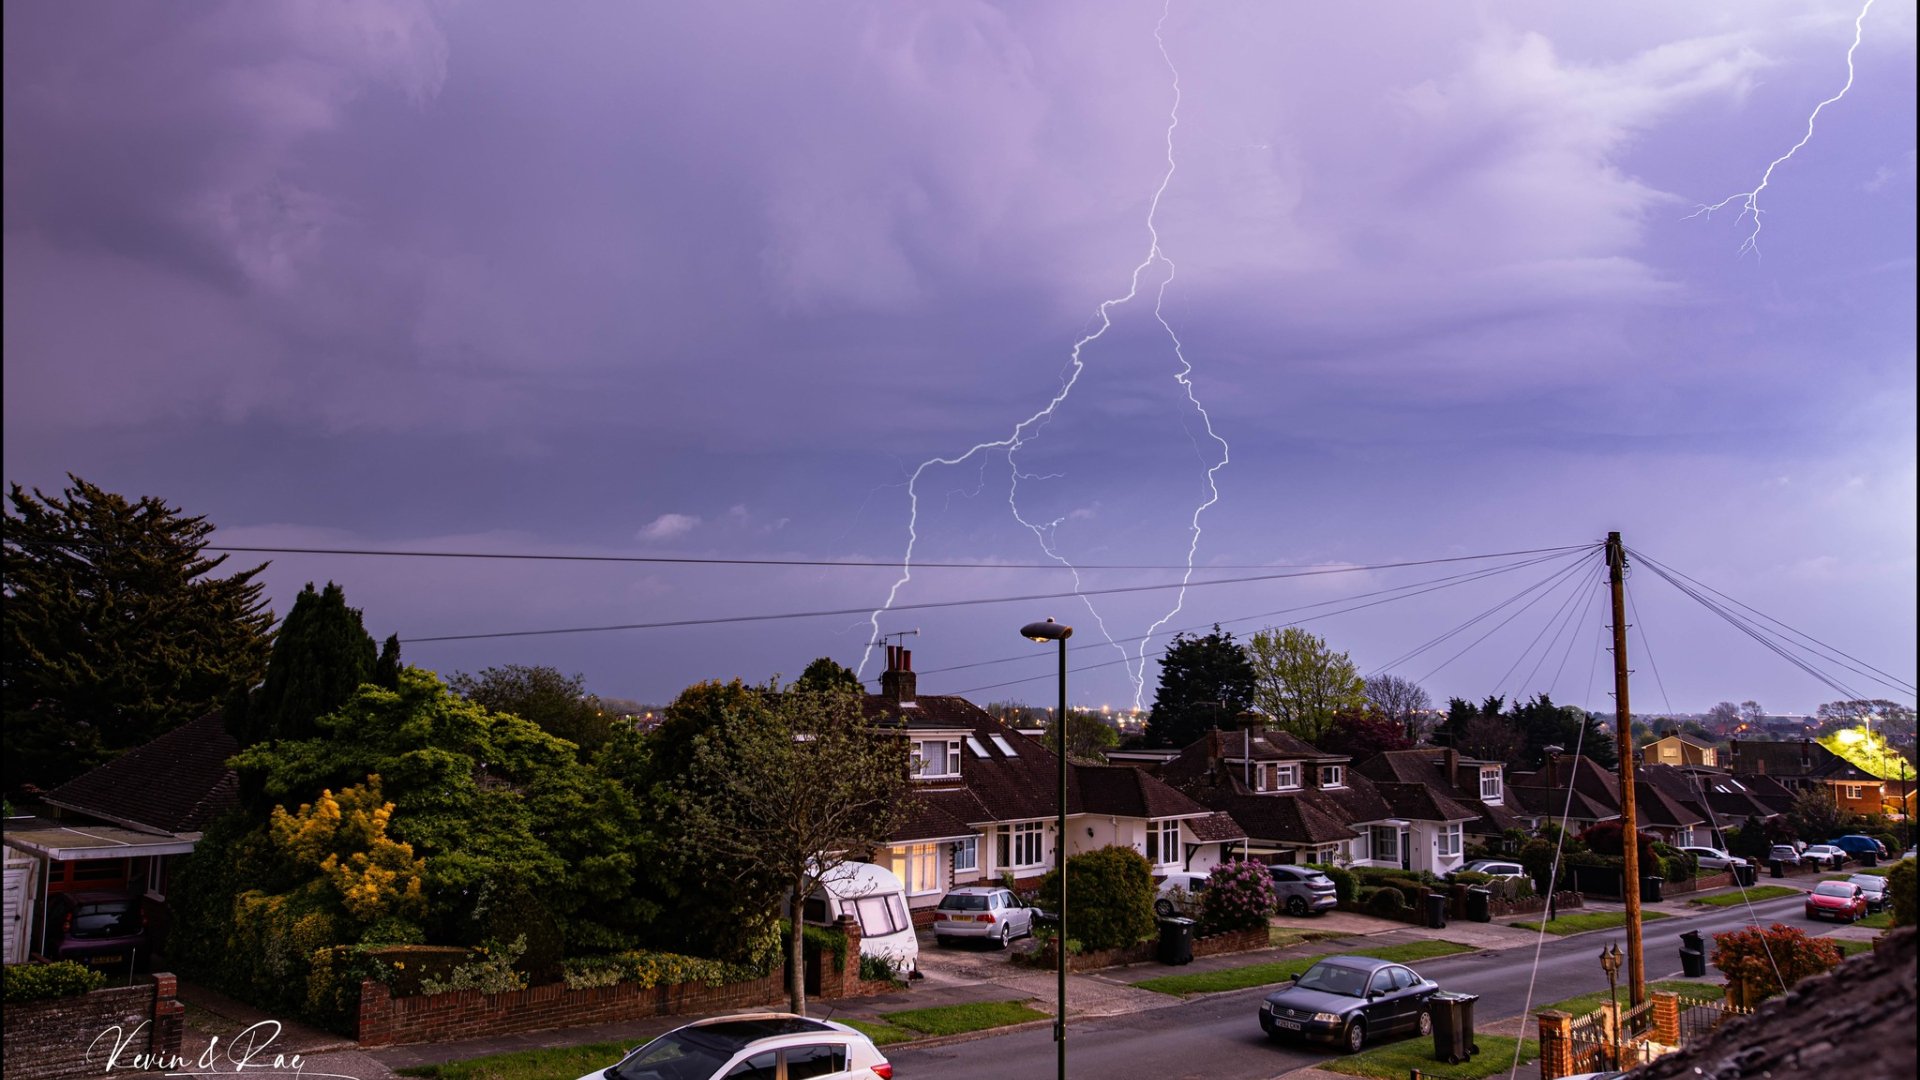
(59,842)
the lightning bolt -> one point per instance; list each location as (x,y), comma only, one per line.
(1750,200)
(1044,531)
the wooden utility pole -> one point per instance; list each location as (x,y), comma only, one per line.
(1623,720)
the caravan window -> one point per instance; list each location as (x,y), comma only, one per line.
(815,911)
(881,915)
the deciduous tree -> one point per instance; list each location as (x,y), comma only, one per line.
(1301,683)
(558,703)
(116,628)
(1363,735)
(1089,737)
(1205,683)
(1402,701)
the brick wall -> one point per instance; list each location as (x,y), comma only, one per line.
(466,1014)
(77,1036)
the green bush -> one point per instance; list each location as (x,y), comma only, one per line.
(1386,901)
(1471,877)
(494,971)
(877,968)
(1344,883)
(1112,892)
(1536,857)
(1900,885)
(647,969)
(40,982)
(1675,865)
(336,972)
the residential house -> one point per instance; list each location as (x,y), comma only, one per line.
(1715,796)
(1676,749)
(1479,786)
(986,801)
(120,827)
(1806,765)
(1578,792)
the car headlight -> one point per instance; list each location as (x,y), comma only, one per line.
(1325,1018)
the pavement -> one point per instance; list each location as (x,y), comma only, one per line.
(971,974)
(217,1023)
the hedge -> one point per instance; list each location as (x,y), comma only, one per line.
(40,982)
(1112,897)
(1386,901)
(1344,883)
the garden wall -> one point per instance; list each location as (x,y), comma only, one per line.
(1230,941)
(1701,882)
(386,1020)
(77,1036)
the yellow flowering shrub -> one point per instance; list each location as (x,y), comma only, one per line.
(344,836)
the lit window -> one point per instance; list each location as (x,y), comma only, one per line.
(915,866)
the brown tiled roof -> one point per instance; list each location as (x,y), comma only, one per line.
(1422,803)
(1127,792)
(1287,819)
(1785,759)
(1652,807)
(1596,790)
(1217,827)
(940,815)
(1700,789)
(1427,766)
(177,783)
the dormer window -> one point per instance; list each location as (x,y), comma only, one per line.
(1332,776)
(1490,785)
(1286,777)
(936,759)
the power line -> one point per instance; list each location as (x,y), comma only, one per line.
(933,604)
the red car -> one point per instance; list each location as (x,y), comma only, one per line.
(1837,900)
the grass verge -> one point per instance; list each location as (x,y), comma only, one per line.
(1240,978)
(1582,1004)
(1882,921)
(1757,893)
(955,1019)
(1397,1060)
(1850,946)
(528,1064)
(1596,920)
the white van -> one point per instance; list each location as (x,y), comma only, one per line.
(878,902)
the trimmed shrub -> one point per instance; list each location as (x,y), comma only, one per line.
(1900,887)
(1344,883)
(1386,901)
(1112,897)
(1239,896)
(1756,962)
(492,972)
(41,982)
(877,968)
(1536,857)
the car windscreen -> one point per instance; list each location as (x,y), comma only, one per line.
(673,1056)
(1334,979)
(114,918)
(964,903)
(1833,888)
(1869,884)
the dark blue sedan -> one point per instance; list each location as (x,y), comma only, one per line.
(1350,1001)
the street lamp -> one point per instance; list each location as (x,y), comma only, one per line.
(1610,962)
(1044,632)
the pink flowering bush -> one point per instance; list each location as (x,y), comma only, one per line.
(1239,895)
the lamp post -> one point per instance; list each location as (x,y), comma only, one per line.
(1553,871)
(1610,962)
(1044,632)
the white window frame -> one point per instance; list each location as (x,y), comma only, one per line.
(157,878)
(950,759)
(1163,843)
(1391,852)
(1014,839)
(1286,777)
(1332,776)
(1855,791)
(1492,788)
(1450,836)
(966,855)
(918,867)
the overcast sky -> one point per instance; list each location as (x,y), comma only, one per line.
(715,280)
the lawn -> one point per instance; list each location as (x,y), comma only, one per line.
(1882,921)
(954,1019)
(1240,978)
(1394,1061)
(529,1064)
(1850,946)
(1597,920)
(1757,893)
(1583,1004)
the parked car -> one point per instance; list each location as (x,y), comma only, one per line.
(1179,894)
(1858,845)
(1349,1000)
(759,1046)
(1825,855)
(1302,890)
(99,928)
(877,900)
(1710,858)
(992,914)
(1875,889)
(1836,900)
(1499,868)
(1784,853)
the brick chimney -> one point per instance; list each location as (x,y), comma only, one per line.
(896,683)
(1453,770)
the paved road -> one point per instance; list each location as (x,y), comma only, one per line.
(1218,1037)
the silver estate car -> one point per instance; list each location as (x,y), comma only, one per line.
(982,911)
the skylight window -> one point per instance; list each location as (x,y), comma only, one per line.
(973,744)
(1005,746)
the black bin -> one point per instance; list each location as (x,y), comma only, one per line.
(1650,892)
(1869,858)
(1693,955)
(1479,904)
(1746,874)
(1436,911)
(1176,940)
(1779,868)
(1453,1026)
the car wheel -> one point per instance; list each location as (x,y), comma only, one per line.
(1163,908)
(1426,1022)
(943,941)
(1356,1036)
(1296,906)
(1006,935)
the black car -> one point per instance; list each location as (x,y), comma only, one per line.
(1348,1000)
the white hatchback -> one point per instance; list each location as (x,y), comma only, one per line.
(1180,894)
(753,1046)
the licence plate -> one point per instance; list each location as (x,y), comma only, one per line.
(110,959)
(1290,1025)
